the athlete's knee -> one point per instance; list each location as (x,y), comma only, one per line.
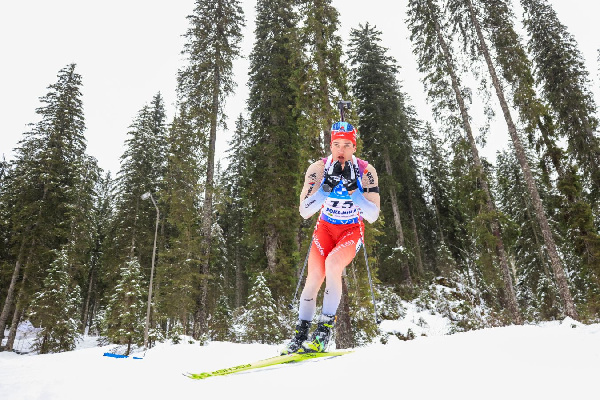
(314,281)
(335,264)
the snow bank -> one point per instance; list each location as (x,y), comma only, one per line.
(552,360)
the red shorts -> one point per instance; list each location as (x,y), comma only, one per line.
(330,239)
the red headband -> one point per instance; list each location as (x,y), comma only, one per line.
(342,134)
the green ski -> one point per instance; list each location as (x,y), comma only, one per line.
(269,362)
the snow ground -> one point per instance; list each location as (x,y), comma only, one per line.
(552,360)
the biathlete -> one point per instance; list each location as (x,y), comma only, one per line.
(345,190)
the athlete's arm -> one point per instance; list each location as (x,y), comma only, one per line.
(368,200)
(312,196)
(370,184)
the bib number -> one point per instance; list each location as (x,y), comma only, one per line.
(345,204)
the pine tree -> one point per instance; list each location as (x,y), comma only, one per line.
(82,223)
(438,187)
(55,309)
(126,309)
(3,170)
(142,170)
(571,117)
(178,272)
(476,248)
(262,321)
(536,290)
(467,15)
(275,171)
(565,85)
(49,187)
(438,62)
(221,321)
(323,79)
(212,45)
(4,227)
(234,218)
(102,217)
(387,124)
(577,216)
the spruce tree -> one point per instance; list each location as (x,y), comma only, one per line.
(323,79)
(261,317)
(212,45)
(3,171)
(467,18)
(126,307)
(178,272)
(437,61)
(221,321)
(275,171)
(142,170)
(4,227)
(438,188)
(234,218)
(565,85)
(576,217)
(536,290)
(387,124)
(571,117)
(102,217)
(49,187)
(55,309)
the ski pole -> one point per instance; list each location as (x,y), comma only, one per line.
(377,320)
(291,305)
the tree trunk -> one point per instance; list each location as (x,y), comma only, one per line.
(18,314)
(438,220)
(44,345)
(11,291)
(12,334)
(84,319)
(271,239)
(495,224)
(325,105)
(538,243)
(417,245)
(134,230)
(343,327)
(397,222)
(208,196)
(555,260)
(239,284)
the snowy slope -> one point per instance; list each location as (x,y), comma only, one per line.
(551,361)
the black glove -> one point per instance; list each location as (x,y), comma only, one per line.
(350,176)
(332,177)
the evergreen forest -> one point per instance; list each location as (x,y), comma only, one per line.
(181,241)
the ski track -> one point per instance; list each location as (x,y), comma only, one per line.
(549,361)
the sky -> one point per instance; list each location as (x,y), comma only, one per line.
(127,51)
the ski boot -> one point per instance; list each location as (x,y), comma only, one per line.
(301,335)
(320,337)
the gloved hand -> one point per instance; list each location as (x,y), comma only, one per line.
(350,176)
(332,177)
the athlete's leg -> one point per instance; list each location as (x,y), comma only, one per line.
(321,245)
(336,261)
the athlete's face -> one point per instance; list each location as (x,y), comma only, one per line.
(342,150)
